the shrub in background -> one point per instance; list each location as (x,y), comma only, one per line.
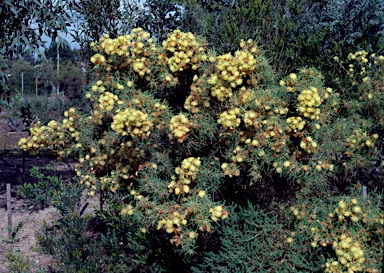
(178,134)
(293,33)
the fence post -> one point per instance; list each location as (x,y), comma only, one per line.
(9,209)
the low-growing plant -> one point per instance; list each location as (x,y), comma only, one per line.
(41,192)
(17,263)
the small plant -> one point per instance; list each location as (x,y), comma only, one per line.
(17,263)
(14,232)
(43,191)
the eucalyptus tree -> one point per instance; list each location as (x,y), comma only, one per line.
(24,23)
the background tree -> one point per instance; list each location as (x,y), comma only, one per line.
(225,23)
(92,20)
(325,29)
(16,70)
(65,53)
(293,33)
(159,17)
(23,30)
(71,79)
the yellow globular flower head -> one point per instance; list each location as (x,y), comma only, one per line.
(296,123)
(134,48)
(131,122)
(98,59)
(344,212)
(188,169)
(229,119)
(251,119)
(174,223)
(128,210)
(218,212)
(186,172)
(39,136)
(308,145)
(360,139)
(309,100)
(107,101)
(186,51)
(240,155)
(180,126)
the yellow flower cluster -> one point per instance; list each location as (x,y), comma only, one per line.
(186,172)
(136,195)
(180,126)
(98,59)
(110,181)
(90,183)
(69,123)
(98,87)
(128,210)
(230,169)
(322,166)
(360,139)
(344,211)
(186,51)
(290,82)
(350,256)
(38,138)
(219,89)
(229,119)
(107,101)
(295,124)
(173,224)
(53,135)
(251,119)
(360,56)
(240,155)
(299,211)
(218,212)
(230,70)
(132,49)
(131,122)
(308,145)
(309,100)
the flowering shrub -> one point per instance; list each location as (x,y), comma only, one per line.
(367,74)
(347,229)
(173,127)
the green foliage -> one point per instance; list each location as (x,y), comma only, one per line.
(43,191)
(246,244)
(179,135)
(65,53)
(294,33)
(344,230)
(158,17)
(15,79)
(71,80)
(17,263)
(23,31)
(225,23)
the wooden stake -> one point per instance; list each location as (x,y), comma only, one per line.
(365,195)
(9,209)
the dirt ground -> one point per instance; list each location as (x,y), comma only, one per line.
(11,166)
(32,217)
